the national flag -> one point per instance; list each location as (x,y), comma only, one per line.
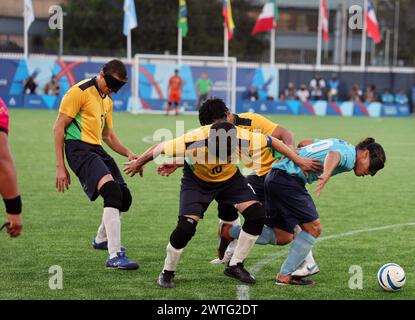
(28,14)
(268,18)
(130,17)
(182,20)
(227,15)
(372,24)
(324,20)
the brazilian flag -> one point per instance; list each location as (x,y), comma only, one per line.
(182,20)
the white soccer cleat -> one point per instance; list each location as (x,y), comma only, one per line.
(217,261)
(306,269)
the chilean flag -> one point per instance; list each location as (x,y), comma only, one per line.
(267,18)
(372,24)
(324,20)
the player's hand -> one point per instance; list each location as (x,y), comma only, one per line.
(307,164)
(322,180)
(132,167)
(63,179)
(14,229)
(167,169)
(132,156)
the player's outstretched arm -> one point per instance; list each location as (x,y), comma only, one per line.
(111,139)
(167,169)
(136,166)
(284,135)
(330,163)
(63,179)
(304,163)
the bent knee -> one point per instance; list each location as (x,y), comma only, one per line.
(127,199)
(112,194)
(282,241)
(315,229)
(254,219)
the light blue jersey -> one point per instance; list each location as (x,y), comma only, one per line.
(319,150)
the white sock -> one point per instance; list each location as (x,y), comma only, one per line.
(230,250)
(101,234)
(112,224)
(172,258)
(297,230)
(309,258)
(244,246)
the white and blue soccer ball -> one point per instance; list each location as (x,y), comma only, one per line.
(391,277)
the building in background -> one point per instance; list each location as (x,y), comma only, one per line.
(296,36)
(11,25)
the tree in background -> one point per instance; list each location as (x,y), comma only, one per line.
(95,27)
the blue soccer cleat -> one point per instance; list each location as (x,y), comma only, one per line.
(104,246)
(121,262)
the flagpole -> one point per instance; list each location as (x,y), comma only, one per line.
(130,22)
(179,46)
(364,31)
(319,37)
(129,45)
(272,47)
(344,35)
(225,44)
(396,34)
(25,30)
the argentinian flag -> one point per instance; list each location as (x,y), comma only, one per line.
(130,17)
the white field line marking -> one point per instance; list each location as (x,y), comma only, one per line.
(243,290)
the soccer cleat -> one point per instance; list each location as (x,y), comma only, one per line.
(306,270)
(165,279)
(103,246)
(217,261)
(291,281)
(121,262)
(224,240)
(240,273)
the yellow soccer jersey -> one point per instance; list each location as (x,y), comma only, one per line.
(90,111)
(193,146)
(257,123)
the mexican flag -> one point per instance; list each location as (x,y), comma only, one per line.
(268,17)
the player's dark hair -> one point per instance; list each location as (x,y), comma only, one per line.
(212,109)
(376,153)
(116,67)
(217,143)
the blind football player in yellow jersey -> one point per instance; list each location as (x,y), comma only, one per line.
(214,110)
(84,120)
(210,173)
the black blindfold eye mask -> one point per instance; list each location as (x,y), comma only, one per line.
(113,83)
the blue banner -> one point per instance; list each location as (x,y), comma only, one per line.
(15,72)
(324,108)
